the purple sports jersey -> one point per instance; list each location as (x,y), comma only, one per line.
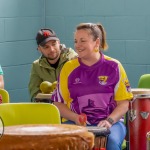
(92,90)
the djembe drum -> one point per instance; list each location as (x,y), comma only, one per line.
(46,137)
(101,134)
(139,119)
(43,98)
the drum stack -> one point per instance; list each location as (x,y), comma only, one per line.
(139,119)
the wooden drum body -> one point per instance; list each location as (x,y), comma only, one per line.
(101,134)
(139,119)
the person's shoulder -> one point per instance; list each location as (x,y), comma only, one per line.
(72,63)
(111,59)
(37,60)
(68,52)
(36,63)
(113,62)
(65,49)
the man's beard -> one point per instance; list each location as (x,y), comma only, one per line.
(52,58)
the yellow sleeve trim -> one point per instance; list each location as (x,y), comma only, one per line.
(63,80)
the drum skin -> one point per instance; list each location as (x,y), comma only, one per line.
(139,127)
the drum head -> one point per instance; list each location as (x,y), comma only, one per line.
(98,131)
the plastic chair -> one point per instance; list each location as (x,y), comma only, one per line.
(124,145)
(144,81)
(5,96)
(29,113)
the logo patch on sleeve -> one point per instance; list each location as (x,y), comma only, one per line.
(127,84)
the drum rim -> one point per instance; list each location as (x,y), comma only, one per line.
(142,95)
(139,91)
(98,131)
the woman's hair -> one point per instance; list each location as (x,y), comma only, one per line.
(97,31)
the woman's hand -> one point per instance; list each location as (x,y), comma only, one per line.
(65,112)
(104,123)
(81,120)
(119,111)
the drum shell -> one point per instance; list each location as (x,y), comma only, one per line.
(101,135)
(139,127)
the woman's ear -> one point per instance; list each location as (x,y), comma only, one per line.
(98,42)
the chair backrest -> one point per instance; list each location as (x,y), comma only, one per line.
(5,96)
(29,113)
(144,81)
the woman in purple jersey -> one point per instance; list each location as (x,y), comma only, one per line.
(94,84)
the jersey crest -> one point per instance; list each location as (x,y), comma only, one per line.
(103,80)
